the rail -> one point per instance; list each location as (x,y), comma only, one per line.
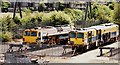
(101,50)
(10,50)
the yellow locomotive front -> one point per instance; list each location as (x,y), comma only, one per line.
(82,39)
(30,36)
(77,39)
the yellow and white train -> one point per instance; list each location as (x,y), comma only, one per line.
(94,36)
(46,35)
(81,39)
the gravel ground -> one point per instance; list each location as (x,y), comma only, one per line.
(91,56)
(5,47)
(88,57)
(56,51)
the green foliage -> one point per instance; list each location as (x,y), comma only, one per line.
(102,13)
(31,20)
(7,23)
(6,36)
(5,4)
(42,7)
(111,6)
(116,15)
(75,14)
(26,10)
(56,18)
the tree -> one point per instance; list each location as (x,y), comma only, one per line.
(102,13)
(7,23)
(6,36)
(41,7)
(5,4)
(116,15)
(75,15)
(6,29)
(56,18)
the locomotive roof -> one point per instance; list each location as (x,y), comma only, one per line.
(104,26)
(98,27)
(84,30)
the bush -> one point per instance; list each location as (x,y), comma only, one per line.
(116,13)
(102,13)
(41,7)
(26,10)
(56,18)
(5,4)
(75,15)
(6,36)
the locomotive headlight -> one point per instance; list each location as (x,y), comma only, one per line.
(71,43)
(68,42)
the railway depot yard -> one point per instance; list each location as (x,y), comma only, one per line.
(54,55)
(48,32)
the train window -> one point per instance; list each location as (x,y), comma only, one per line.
(33,33)
(26,33)
(80,35)
(113,33)
(72,35)
(89,33)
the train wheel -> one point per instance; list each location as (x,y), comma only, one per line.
(90,46)
(95,46)
(85,48)
(100,43)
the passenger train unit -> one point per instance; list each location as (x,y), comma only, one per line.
(94,36)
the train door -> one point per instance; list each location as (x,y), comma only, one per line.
(89,36)
(99,34)
(107,37)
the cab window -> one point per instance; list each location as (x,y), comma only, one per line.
(72,35)
(27,33)
(80,35)
(33,33)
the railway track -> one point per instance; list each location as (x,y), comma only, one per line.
(60,51)
(115,51)
(55,52)
(23,49)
